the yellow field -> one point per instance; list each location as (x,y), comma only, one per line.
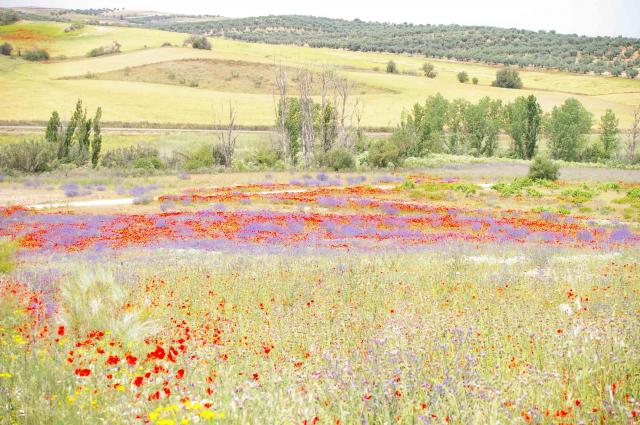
(32,90)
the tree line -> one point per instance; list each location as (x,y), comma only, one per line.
(524,48)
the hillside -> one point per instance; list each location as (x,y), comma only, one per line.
(568,52)
(176,84)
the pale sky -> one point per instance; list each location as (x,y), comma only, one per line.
(589,17)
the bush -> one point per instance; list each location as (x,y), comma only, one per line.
(197,42)
(475,80)
(544,169)
(429,70)
(6,49)
(150,163)
(74,27)
(392,68)
(463,77)
(130,157)
(337,159)
(507,78)
(265,157)
(29,156)
(384,153)
(104,50)
(35,55)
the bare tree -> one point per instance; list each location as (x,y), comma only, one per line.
(326,77)
(307,133)
(632,144)
(227,136)
(281,109)
(342,91)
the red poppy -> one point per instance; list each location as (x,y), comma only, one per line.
(180,374)
(60,330)
(82,372)
(138,381)
(113,360)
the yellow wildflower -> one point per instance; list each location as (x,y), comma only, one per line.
(5,375)
(207,414)
(165,422)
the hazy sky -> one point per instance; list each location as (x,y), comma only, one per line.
(590,17)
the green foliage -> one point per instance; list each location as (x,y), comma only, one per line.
(202,157)
(474,80)
(421,129)
(8,16)
(567,127)
(456,114)
(429,70)
(337,159)
(96,142)
(127,157)
(631,73)
(197,42)
(6,49)
(482,123)
(29,156)
(507,78)
(634,193)
(508,46)
(513,188)
(609,133)
(466,188)
(36,55)
(52,133)
(576,196)
(523,121)
(148,163)
(544,169)
(8,251)
(265,157)
(384,153)
(463,77)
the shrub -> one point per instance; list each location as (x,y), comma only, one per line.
(429,70)
(337,159)
(463,77)
(35,55)
(74,27)
(197,42)
(507,78)
(6,49)
(104,50)
(392,68)
(265,157)
(149,163)
(474,80)
(29,156)
(129,156)
(544,169)
(384,153)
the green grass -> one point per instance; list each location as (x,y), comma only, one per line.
(37,88)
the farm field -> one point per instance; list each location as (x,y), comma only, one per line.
(323,298)
(39,88)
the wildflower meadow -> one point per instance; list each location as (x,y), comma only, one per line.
(325,299)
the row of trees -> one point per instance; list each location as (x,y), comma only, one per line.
(508,46)
(80,141)
(462,127)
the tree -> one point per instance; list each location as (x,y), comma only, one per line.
(52,134)
(307,133)
(67,140)
(429,70)
(6,49)
(392,67)
(421,129)
(523,119)
(507,78)
(567,127)
(463,77)
(228,137)
(631,73)
(482,126)
(282,109)
(457,140)
(96,142)
(197,42)
(609,133)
